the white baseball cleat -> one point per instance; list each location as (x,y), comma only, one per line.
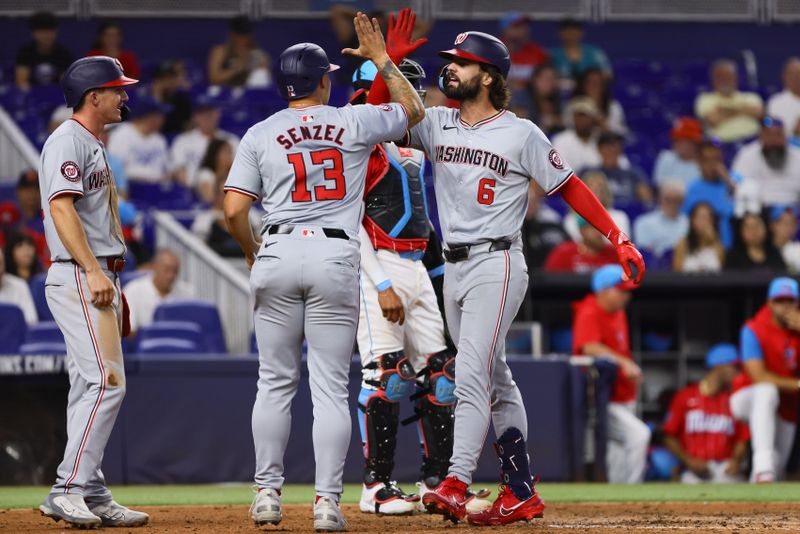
(113,514)
(266,507)
(328,516)
(387,499)
(71,508)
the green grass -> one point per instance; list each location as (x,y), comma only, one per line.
(238,494)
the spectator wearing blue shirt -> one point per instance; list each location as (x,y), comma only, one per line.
(661,229)
(715,187)
(573,57)
(680,162)
(629,185)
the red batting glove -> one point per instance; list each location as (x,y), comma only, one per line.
(628,254)
(398,36)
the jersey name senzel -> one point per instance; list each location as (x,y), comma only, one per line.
(471,156)
(317,132)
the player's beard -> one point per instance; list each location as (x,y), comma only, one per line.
(466,90)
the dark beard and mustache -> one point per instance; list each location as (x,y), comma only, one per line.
(775,156)
(468,90)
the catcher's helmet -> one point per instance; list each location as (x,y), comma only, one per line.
(481,48)
(301,68)
(90,73)
(413,72)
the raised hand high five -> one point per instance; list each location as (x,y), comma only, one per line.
(398,36)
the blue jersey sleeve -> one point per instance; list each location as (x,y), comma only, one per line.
(750,348)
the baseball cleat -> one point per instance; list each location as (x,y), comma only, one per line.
(328,516)
(387,499)
(507,508)
(448,499)
(113,514)
(266,507)
(71,508)
(476,501)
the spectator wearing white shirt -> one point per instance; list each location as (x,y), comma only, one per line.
(770,170)
(14,290)
(731,115)
(578,145)
(140,144)
(189,147)
(786,104)
(147,292)
(783,226)
(680,162)
(661,229)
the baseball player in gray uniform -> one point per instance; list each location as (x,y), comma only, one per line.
(308,164)
(483,159)
(82,227)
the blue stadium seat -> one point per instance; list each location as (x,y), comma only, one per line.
(169,195)
(253,344)
(561,340)
(37,292)
(201,312)
(44,332)
(165,345)
(186,330)
(43,347)
(12,328)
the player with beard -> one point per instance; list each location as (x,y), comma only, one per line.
(483,159)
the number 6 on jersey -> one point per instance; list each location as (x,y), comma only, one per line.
(485,191)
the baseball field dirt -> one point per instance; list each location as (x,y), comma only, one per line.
(560,517)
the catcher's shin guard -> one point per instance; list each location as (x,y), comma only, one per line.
(435,412)
(379,413)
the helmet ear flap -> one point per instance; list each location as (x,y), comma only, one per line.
(440,79)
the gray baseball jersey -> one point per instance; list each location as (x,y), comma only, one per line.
(73,162)
(481,172)
(310,167)
(310,163)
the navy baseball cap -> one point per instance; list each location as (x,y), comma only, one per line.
(609,276)
(776,212)
(783,288)
(721,354)
(770,122)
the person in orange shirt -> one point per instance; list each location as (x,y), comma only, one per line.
(600,328)
(108,42)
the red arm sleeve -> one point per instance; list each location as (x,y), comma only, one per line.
(676,416)
(585,329)
(585,204)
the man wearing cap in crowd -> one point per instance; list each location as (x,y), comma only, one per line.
(766,391)
(628,184)
(770,168)
(578,144)
(680,162)
(600,328)
(189,147)
(42,61)
(700,429)
(526,55)
(783,227)
(661,229)
(140,144)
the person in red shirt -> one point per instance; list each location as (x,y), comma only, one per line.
(108,42)
(600,328)
(525,54)
(700,429)
(766,391)
(593,252)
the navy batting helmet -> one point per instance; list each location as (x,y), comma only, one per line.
(481,48)
(92,73)
(301,68)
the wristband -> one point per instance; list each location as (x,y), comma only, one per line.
(383,286)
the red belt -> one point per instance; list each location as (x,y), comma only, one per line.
(115,264)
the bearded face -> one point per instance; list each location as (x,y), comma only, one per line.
(775,156)
(460,86)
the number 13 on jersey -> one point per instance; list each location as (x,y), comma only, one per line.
(334,173)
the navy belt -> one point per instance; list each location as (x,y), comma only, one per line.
(457,253)
(336,233)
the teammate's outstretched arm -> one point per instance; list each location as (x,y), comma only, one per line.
(585,204)
(372,46)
